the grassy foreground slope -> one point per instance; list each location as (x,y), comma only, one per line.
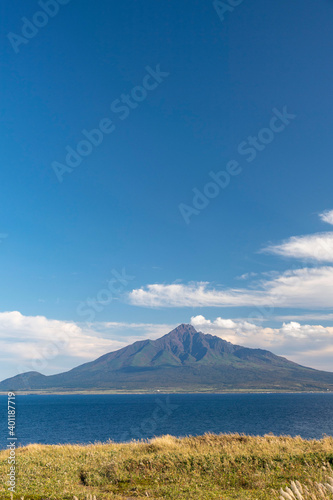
(203,468)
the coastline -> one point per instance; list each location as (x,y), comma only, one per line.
(171,391)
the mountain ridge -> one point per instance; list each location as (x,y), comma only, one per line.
(184,360)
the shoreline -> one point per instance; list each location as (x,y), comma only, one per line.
(196,437)
(157,392)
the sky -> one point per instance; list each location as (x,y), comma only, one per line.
(165,163)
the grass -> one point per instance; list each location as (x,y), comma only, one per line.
(200,468)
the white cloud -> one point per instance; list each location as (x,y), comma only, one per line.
(309,345)
(305,317)
(307,288)
(200,321)
(36,343)
(225,323)
(304,288)
(246,276)
(222,324)
(318,247)
(327,216)
(190,295)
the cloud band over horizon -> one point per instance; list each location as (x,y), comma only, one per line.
(52,346)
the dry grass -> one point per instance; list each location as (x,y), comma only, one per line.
(202,468)
(313,491)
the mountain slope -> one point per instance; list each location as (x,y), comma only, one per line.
(182,360)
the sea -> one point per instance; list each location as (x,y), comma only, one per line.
(84,419)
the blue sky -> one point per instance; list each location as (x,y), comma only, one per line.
(220,80)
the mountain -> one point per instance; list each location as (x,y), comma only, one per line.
(182,360)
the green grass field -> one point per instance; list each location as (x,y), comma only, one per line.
(203,468)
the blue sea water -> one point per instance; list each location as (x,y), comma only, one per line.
(99,418)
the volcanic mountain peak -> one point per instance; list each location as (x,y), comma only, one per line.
(181,330)
(183,336)
(184,360)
